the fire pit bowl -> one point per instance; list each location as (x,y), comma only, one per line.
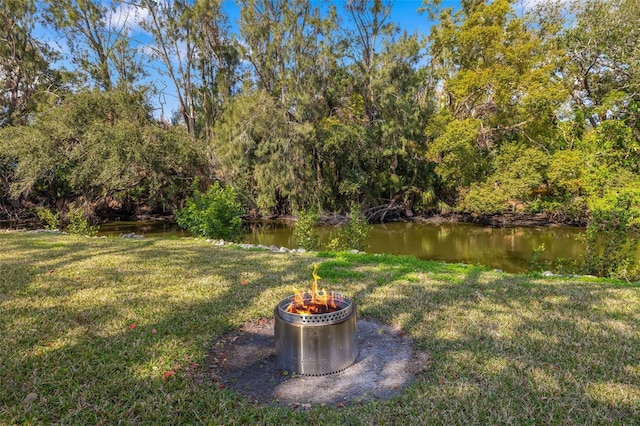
(316,344)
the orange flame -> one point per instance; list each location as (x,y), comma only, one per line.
(310,302)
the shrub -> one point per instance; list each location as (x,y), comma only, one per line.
(78,224)
(559,266)
(483,199)
(354,234)
(49,219)
(305,231)
(535,261)
(611,238)
(216,213)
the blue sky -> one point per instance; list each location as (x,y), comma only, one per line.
(404,13)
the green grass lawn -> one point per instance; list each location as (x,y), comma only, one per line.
(106,331)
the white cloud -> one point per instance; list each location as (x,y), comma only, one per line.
(129,16)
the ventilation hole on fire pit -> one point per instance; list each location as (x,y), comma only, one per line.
(328,374)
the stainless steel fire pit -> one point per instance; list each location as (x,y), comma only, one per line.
(317,344)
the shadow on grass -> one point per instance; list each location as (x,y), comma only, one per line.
(508,348)
(117,332)
(93,328)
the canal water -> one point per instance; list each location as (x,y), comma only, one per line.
(507,248)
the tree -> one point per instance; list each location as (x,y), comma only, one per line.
(603,70)
(27,77)
(285,43)
(495,67)
(372,27)
(499,71)
(456,154)
(191,42)
(217,65)
(97,35)
(268,130)
(384,106)
(98,148)
(261,153)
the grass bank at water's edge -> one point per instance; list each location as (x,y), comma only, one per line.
(100,331)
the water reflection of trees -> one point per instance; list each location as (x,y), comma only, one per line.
(503,248)
(506,248)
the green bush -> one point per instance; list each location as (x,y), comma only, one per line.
(611,238)
(483,199)
(535,261)
(305,231)
(354,234)
(49,219)
(78,224)
(559,265)
(97,143)
(216,213)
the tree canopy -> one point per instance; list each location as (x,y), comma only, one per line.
(300,106)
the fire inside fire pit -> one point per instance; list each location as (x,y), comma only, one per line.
(315,332)
(315,302)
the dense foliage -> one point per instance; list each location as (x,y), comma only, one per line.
(97,150)
(353,235)
(215,213)
(303,106)
(305,231)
